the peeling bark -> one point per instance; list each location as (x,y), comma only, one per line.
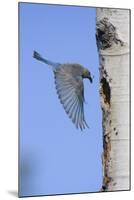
(112,35)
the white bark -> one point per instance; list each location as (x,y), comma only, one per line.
(114,91)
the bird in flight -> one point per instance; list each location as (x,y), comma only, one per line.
(70,88)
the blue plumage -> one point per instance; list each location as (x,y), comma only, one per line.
(70,88)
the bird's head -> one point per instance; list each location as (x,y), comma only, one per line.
(86,74)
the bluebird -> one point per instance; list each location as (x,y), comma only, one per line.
(70,88)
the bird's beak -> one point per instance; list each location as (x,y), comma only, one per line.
(91,80)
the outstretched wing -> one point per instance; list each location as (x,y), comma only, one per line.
(70,91)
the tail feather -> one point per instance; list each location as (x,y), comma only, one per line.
(37,56)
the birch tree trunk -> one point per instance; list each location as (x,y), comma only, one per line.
(112,33)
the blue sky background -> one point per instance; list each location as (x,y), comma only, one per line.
(55,157)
